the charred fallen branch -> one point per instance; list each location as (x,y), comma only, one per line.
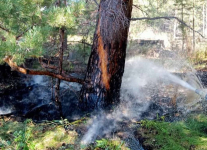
(15,67)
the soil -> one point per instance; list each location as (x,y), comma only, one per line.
(22,96)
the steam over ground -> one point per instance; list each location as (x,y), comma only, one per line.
(143,80)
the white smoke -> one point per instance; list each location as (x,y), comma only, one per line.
(141,80)
(38,79)
(4,110)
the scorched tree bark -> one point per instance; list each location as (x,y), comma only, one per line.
(106,63)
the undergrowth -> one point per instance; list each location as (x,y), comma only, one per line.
(189,134)
(109,144)
(49,135)
(28,135)
(183,135)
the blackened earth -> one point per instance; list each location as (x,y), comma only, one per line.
(20,96)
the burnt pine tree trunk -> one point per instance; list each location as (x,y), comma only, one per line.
(106,63)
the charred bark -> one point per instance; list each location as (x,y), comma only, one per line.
(106,63)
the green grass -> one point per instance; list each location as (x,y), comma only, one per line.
(182,135)
(49,135)
(190,134)
(28,135)
(110,144)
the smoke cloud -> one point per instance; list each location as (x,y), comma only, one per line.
(142,80)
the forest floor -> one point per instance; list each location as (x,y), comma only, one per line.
(187,134)
(49,135)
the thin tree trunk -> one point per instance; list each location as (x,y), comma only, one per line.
(57,94)
(204,19)
(183,38)
(107,59)
(193,26)
(84,51)
(51,88)
(175,27)
(57,86)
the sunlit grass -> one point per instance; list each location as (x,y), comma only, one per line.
(37,136)
(54,138)
(182,135)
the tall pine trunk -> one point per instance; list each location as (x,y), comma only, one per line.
(106,63)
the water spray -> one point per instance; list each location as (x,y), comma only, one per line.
(201,93)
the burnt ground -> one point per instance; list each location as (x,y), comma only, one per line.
(203,77)
(10,81)
(22,98)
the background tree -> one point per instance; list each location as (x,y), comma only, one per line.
(184,18)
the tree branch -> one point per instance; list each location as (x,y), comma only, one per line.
(21,34)
(5,29)
(138,7)
(44,65)
(13,65)
(96,2)
(18,36)
(82,42)
(168,18)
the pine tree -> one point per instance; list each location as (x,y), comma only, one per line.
(27,25)
(28,28)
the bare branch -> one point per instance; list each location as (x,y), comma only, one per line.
(82,42)
(13,65)
(18,36)
(168,18)
(96,2)
(44,65)
(21,34)
(3,28)
(138,7)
